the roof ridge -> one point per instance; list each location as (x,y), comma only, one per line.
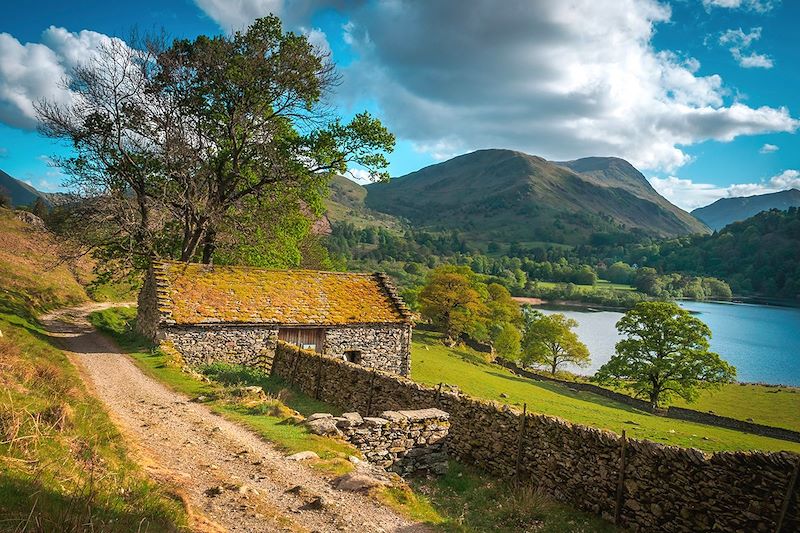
(386,282)
(263,269)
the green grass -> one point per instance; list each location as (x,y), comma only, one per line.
(601,284)
(432,362)
(772,406)
(63,464)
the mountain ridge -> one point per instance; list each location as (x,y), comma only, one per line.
(499,194)
(726,211)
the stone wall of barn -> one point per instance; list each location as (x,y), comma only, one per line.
(237,345)
(385,347)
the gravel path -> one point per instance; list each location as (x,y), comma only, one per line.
(236,481)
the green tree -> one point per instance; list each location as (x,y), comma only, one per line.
(451,300)
(182,148)
(549,340)
(507,341)
(39,208)
(665,351)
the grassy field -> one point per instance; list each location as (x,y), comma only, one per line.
(63,464)
(432,362)
(773,406)
(462,501)
(601,284)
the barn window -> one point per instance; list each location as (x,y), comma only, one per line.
(353,356)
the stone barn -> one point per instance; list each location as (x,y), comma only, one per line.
(238,314)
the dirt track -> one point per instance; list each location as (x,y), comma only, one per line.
(199,451)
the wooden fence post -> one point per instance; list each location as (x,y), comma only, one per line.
(521,442)
(787,500)
(620,480)
(438,394)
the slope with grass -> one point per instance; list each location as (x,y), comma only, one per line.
(432,363)
(505,196)
(63,464)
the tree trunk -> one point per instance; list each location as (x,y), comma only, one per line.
(209,245)
(553,367)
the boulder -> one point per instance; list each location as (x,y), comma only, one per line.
(323,426)
(357,481)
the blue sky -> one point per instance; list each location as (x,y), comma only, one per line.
(701,95)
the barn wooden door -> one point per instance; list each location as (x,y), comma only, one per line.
(308,338)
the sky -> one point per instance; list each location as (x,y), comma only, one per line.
(700,95)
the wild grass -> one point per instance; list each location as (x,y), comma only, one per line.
(63,464)
(432,363)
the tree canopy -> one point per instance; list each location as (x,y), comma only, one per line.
(549,340)
(181,149)
(664,352)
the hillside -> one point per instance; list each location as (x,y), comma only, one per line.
(508,196)
(346,203)
(728,210)
(760,255)
(21,193)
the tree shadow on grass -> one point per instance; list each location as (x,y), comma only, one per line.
(564,390)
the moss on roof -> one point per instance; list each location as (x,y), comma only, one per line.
(190,293)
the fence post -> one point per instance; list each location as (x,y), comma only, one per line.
(787,500)
(620,480)
(371,393)
(521,442)
(439,394)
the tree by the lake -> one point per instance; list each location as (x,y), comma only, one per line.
(549,340)
(507,341)
(664,352)
(451,299)
(181,149)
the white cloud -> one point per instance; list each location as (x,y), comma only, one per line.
(759,6)
(359,175)
(34,71)
(737,41)
(689,195)
(233,15)
(768,149)
(552,78)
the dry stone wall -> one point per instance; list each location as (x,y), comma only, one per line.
(402,441)
(664,488)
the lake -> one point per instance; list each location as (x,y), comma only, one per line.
(762,342)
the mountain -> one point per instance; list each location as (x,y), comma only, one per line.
(21,193)
(506,196)
(346,203)
(727,210)
(759,255)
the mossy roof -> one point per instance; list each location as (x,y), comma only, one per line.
(195,294)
